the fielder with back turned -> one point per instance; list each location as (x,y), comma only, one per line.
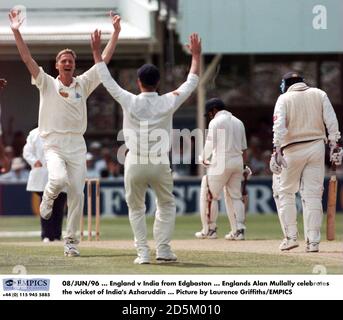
(147,163)
(301,115)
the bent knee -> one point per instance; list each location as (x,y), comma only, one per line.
(59,181)
(135,210)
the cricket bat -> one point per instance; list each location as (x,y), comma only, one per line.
(245,192)
(331,206)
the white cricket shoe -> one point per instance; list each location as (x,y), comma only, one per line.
(312,247)
(288,244)
(212,234)
(70,250)
(170,257)
(142,260)
(238,235)
(200,235)
(46,240)
(45,208)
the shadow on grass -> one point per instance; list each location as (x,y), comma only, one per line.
(110,256)
(190,265)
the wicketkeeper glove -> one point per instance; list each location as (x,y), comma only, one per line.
(336,153)
(274,167)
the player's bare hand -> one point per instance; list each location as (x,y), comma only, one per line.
(15,19)
(203,162)
(115,22)
(38,164)
(194,45)
(96,45)
(3,83)
(96,40)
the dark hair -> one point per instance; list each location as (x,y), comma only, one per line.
(149,75)
(214,103)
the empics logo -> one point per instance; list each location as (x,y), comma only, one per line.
(26,284)
(320,19)
(8,283)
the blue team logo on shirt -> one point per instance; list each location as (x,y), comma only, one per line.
(78,96)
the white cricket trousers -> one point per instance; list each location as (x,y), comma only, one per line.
(66,162)
(305,168)
(276,191)
(138,177)
(231,178)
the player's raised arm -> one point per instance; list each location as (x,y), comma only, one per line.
(182,93)
(112,43)
(23,49)
(109,83)
(194,47)
(96,46)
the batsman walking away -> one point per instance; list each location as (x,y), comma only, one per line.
(224,157)
(301,116)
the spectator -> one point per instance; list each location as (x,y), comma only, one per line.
(91,172)
(257,164)
(18,172)
(95,150)
(18,142)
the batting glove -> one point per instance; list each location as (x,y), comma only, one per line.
(247,172)
(280,160)
(336,154)
(274,167)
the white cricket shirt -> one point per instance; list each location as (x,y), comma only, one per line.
(32,152)
(148,116)
(63,109)
(226,135)
(300,115)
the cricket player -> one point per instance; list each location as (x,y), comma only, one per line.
(224,157)
(147,128)
(33,153)
(301,115)
(4,162)
(276,190)
(62,123)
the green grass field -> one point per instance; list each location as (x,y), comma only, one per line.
(115,253)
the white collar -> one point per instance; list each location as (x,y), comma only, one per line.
(149,94)
(222,112)
(73,84)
